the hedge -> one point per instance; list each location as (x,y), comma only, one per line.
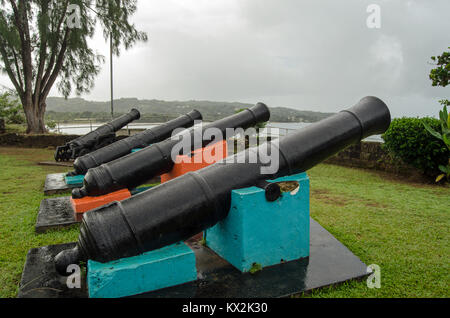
(408,140)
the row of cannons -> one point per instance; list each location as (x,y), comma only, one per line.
(257,238)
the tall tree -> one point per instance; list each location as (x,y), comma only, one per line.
(42,41)
(440,76)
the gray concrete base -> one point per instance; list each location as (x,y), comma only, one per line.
(68,164)
(40,279)
(330,263)
(55,213)
(55,183)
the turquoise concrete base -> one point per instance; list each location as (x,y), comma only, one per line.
(75,180)
(135,150)
(257,232)
(139,190)
(168,266)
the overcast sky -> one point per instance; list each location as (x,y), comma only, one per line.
(313,55)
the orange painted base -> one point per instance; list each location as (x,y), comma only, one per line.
(89,203)
(199,159)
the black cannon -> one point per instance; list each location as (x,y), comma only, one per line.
(136,168)
(189,204)
(141,140)
(100,137)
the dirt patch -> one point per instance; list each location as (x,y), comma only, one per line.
(415,179)
(374,204)
(446,194)
(319,191)
(327,197)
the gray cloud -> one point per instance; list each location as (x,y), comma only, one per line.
(316,55)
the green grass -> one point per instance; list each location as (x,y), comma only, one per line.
(21,191)
(400,226)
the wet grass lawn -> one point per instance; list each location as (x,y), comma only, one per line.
(400,226)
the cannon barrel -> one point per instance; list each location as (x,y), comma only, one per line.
(191,203)
(135,169)
(141,140)
(96,138)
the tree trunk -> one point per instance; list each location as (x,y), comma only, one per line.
(35,118)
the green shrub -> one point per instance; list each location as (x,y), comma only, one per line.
(444,136)
(10,109)
(51,124)
(408,140)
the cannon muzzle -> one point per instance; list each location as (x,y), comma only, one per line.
(189,204)
(135,169)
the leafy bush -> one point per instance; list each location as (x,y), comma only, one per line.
(10,109)
(443,135)
(408,140)
(51,124)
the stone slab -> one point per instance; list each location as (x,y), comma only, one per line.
(330,263)
(57,163)
(40,279)
(55,183)
(55,213)
(59,212)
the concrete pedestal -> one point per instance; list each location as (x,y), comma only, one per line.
(75,181)
(258,233)
(165,267)
(55,183)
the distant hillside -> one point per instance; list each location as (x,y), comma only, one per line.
(79,107)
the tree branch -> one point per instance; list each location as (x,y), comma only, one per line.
(16,63)
(54,50)
(21,22)
(57,68)
(10,72)
(42,55)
